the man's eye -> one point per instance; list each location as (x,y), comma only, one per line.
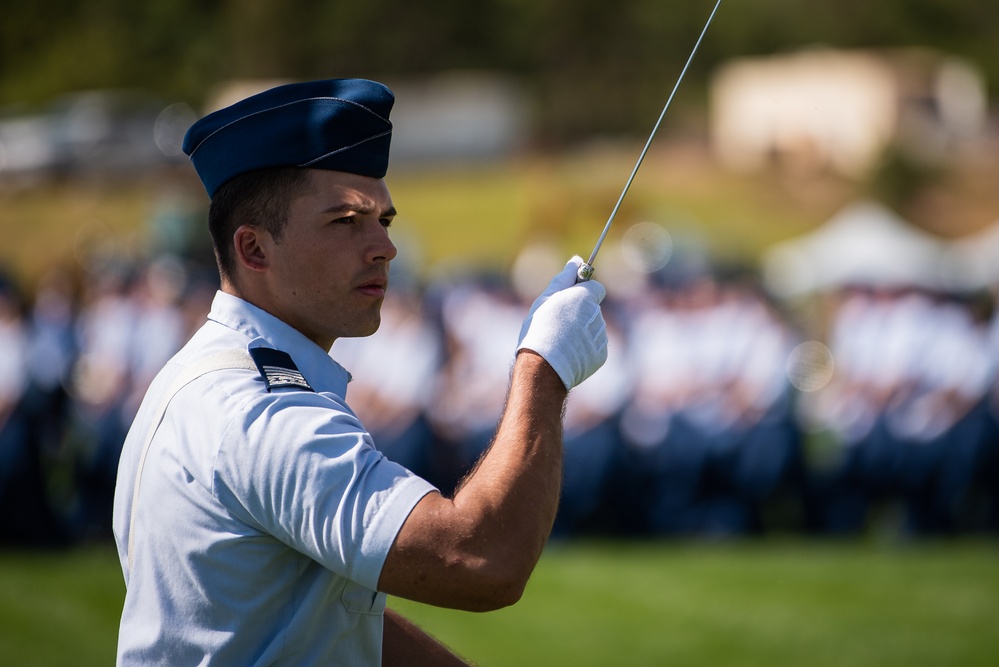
(346,220)
(386,222)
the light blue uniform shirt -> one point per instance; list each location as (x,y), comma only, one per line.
(263,519)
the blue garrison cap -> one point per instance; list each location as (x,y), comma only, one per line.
(338,124)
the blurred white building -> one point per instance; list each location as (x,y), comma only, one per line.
(458,116)
(839,110)
(453,116)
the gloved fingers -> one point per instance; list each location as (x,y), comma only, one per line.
(597,328)
(593,288)
(596,289)
(569,332)
(566,277)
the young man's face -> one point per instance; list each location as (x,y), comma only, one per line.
(329,272)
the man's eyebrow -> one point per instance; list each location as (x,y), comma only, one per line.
(359,207)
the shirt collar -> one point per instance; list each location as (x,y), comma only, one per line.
(264,330)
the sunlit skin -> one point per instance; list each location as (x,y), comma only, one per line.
(328,273)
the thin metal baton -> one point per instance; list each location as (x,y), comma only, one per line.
(585,271)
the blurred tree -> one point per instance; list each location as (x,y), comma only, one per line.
(49,47)
(594,66)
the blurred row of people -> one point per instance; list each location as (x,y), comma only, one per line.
(77,359)
(708,419)
(705,421)
(911,410)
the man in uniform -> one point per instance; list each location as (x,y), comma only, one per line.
(255,521)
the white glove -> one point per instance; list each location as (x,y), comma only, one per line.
(565,326)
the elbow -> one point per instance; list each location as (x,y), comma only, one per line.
(492,594)
(493,604)
(506,587)
(493,584)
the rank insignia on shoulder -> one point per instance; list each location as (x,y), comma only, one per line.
(278,370)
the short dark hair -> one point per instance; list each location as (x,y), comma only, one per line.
(258,198)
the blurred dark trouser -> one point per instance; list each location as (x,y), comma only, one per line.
(660,480)
(95,436)
(940,485)
(937,476)
(409,446)
(452,455)
(27,517)
(842,499)
(767,473)
(985,484)
(588,463)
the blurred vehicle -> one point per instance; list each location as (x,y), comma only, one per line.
(106,132)
(27,151)
(97,133)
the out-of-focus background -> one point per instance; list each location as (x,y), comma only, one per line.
(801,283)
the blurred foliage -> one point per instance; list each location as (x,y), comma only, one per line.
(900,178)
(592,65)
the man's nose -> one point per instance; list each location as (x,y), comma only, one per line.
(382,249)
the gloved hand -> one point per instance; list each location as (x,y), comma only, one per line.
(565,326)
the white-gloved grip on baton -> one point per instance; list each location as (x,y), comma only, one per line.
(566,327)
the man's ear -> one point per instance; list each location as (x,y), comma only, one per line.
(251,245)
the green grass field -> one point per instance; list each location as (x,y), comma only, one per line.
(630,603)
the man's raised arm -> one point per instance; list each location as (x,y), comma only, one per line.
(477,550)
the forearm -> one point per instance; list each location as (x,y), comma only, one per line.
(513,492)
(477,551)
(403,643)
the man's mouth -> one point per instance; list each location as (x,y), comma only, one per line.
(373,287)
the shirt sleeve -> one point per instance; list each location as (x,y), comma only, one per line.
(299,466)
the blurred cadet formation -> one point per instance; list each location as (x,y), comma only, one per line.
(730,405)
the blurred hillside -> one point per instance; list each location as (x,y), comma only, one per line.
(482,214)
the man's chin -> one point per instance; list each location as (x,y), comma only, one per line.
(364,330)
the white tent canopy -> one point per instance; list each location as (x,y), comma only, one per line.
(973,261)
(864,244)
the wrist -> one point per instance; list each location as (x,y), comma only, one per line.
(534,368)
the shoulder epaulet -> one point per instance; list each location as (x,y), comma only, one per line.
(278,370)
